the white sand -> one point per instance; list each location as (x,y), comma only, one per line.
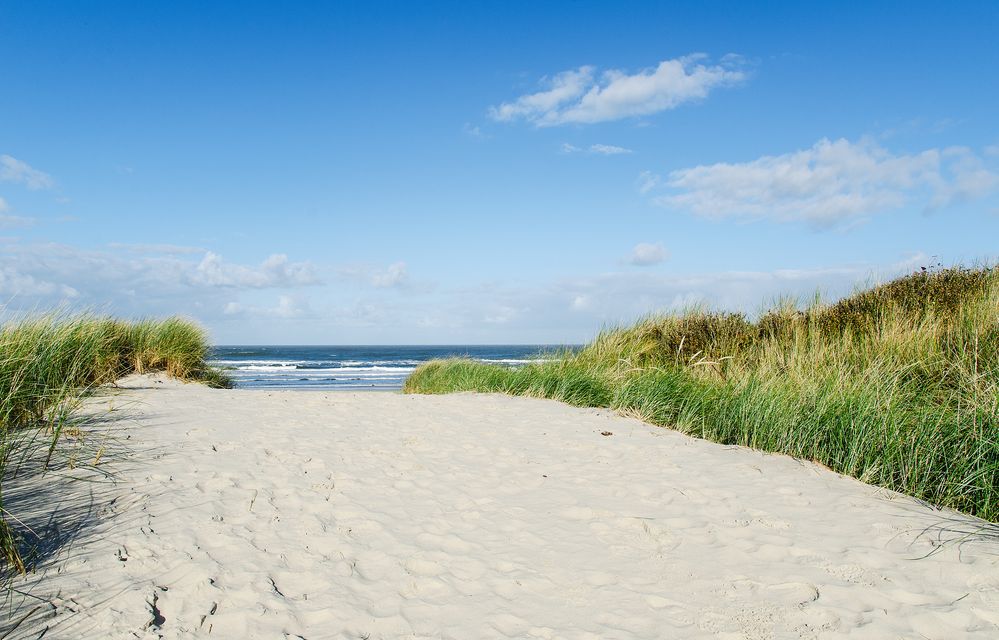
(255,514)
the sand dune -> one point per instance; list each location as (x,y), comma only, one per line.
(262,514)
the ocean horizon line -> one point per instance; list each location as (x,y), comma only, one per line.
(317,345)
(358,366)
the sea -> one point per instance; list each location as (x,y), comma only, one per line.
(353,368)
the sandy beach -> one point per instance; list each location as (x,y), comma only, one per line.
(303,514)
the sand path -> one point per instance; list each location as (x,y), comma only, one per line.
(262,514)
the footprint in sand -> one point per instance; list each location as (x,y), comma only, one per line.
(792,593)
(784,593)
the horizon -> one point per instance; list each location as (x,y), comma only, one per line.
(397,175)
(327,346)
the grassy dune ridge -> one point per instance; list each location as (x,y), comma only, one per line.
(897,385)
(48,363)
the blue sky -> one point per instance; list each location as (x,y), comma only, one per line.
(485,173)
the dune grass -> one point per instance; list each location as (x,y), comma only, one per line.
(897,385)
(48,363)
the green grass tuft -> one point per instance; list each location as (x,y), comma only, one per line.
(897,385)
(48,362)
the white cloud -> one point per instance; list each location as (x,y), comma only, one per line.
(964,176)
(17,284)
(169,249)
(47,274)
(287,307)
(608,149)
(275,271)
(624,296)
(602,149)
(575,96)
(290,307)
(394,276)
(473,131)
(34,276)
(544,105)
(380,315)
(501,314)
(575,309)
(7,221)
(14,170)
(645,254)
(647,181)
(826,184)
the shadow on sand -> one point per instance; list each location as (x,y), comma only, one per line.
(52,507)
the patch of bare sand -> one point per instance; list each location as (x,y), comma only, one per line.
(263,514)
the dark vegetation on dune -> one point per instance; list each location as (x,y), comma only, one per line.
(48,364)
(897,385)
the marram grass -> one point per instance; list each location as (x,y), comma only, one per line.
(897,385)
(48,362)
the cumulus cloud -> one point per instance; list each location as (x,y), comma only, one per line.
(563,88)
(45,274)
(275,271)
(14,170)
(645,254)
(15,283)
(826,184)
(580,96)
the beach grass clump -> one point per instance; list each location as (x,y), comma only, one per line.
(171,345)
(897,385)
(48,362)
(561,379)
